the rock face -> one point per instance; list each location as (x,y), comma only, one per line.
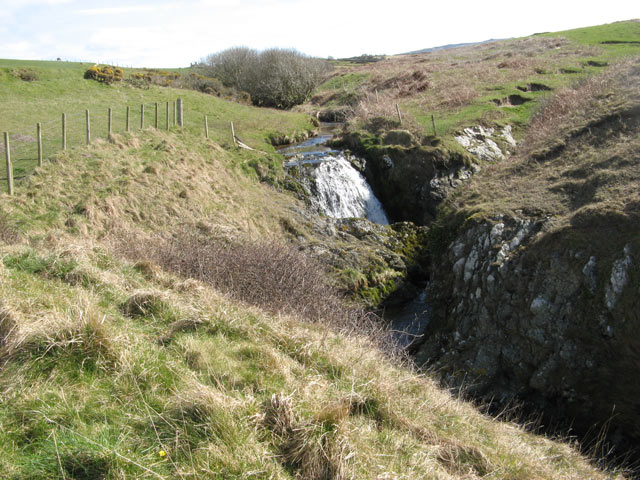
(478,141)
(516,314)
(410,180)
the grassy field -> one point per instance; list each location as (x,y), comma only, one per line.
(59,87)
(501,82)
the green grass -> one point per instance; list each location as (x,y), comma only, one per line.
(61,88)
(616,39)
(348,81)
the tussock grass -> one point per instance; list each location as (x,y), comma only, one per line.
(79,332)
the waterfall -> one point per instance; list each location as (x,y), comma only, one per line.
(340,191)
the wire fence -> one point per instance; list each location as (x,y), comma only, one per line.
(26,150)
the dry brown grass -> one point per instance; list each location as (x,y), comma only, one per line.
(304,447)
(80,331)
(447,81)
(569,106)
(8,232)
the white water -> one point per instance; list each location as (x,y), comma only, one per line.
(342,192)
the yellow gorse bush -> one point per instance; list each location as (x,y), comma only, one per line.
(106,74)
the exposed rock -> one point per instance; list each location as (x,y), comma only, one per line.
(619,278)
(518,315)
(411,181)
(478,141)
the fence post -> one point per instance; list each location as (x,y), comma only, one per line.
(433,122)
(175,113)
(180,113)
(7,152)
(64,131)
(206,126)
(399,114)
(110,124)
(127,118)
(167,119)
(88,126)
(39,125)
(156,115)
(233,135)
(142,116)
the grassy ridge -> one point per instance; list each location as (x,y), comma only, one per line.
(117,370)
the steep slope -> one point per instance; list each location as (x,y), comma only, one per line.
(535,276)
(117,369)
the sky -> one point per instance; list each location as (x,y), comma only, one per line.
(168,33)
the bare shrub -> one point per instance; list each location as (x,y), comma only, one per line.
(279,78)
(273,276)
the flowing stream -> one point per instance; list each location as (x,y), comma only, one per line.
(341,191)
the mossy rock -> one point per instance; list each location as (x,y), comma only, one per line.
(399,137)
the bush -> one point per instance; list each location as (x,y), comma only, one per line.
(277,78)
(106,74)
(276,277)
(26,75)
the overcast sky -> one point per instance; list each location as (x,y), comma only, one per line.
(167,33)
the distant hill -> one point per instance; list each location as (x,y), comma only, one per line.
(452,45)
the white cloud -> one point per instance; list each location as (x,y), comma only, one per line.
(124,9)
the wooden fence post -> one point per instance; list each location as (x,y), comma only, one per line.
(39,125)
(64,131)
(233,135)
(433,122)
(127,121)
(7,152)
(167,119)
(175,113)
(109,123)
(88,126)
(156,115)
(180,113)
(399,114)
(206,126)
(142,116)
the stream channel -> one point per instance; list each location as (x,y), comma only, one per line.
(339,190)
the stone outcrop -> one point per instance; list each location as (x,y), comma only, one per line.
(410,180)
(517,313)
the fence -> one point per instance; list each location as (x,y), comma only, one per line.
(25,150)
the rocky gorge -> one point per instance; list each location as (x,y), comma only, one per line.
(534,276)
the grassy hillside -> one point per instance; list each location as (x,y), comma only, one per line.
(576,164)
(113,368)
(501,82)
(34,91)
